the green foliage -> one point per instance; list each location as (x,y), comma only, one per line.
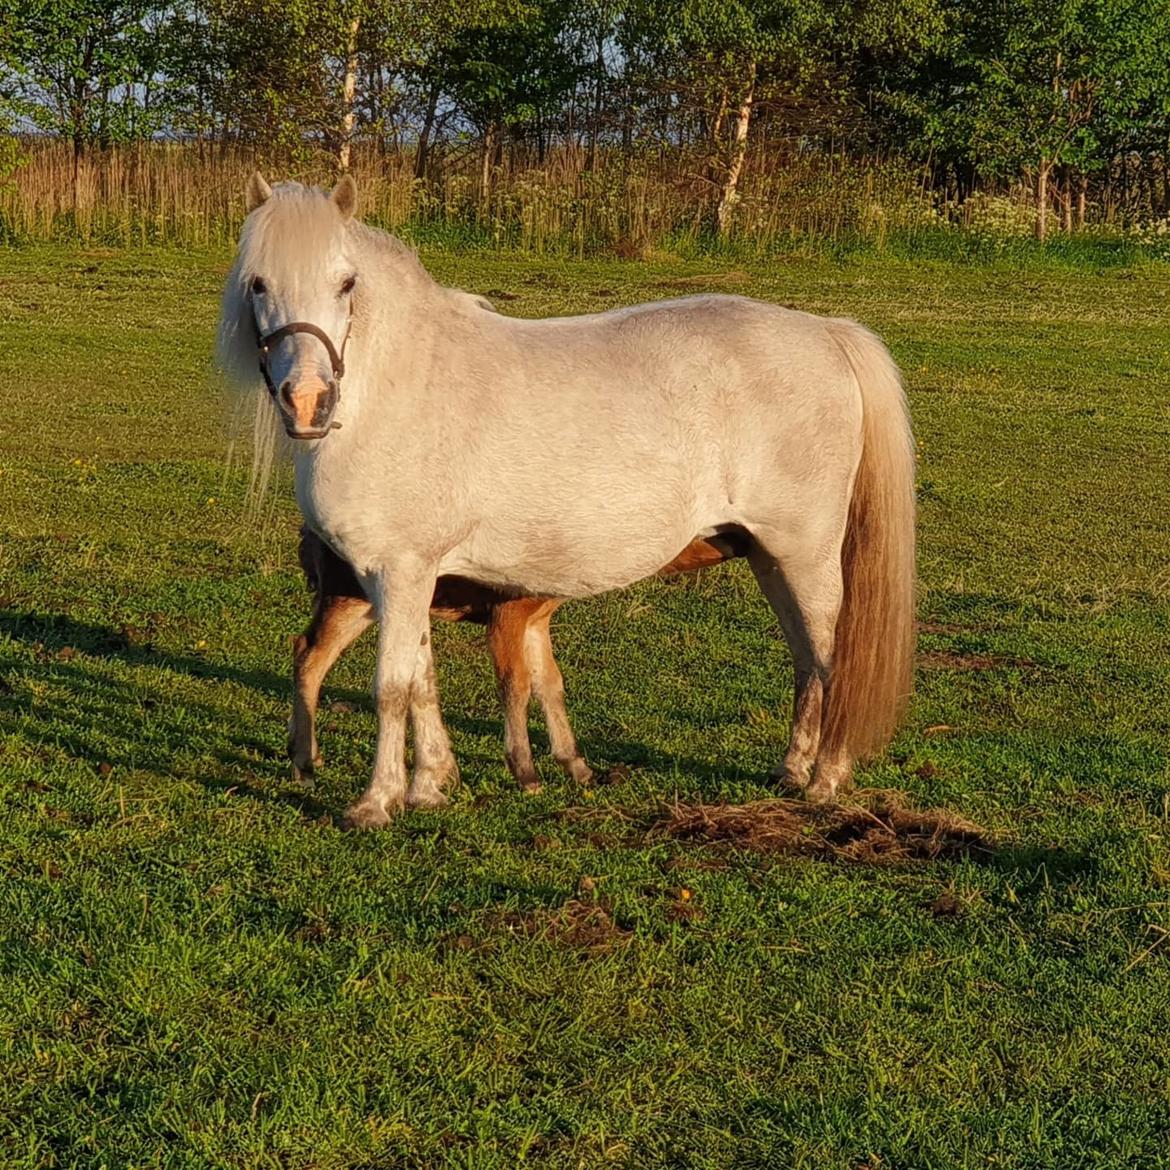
(1040,81)
(275,66)
(510,70)
(991,89)
(83,69)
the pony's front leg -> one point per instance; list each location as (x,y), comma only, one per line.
(434,761)
(402,597)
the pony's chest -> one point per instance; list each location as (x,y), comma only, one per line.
(337,515)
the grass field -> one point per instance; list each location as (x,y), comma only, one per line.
(197,969)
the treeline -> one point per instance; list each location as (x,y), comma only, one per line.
(1069,97)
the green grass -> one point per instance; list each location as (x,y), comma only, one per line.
(197,969)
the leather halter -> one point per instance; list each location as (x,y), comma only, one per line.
(265,342)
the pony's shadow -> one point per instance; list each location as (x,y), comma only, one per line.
(67,646)
(250,767)
(58,634)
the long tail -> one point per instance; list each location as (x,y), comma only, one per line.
(873,658)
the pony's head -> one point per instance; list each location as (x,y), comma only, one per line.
(288,303)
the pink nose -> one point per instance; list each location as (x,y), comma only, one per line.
(308,405)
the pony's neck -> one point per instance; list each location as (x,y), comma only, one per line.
(394,272)
(388,352)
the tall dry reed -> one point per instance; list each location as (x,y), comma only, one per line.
(627,202)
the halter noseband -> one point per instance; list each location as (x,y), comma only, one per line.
(265,342)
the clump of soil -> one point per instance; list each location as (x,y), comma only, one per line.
(945,660)
(703,280)
(876,829)
(582,925)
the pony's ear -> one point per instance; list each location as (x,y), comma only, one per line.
(345,196)
(257,192)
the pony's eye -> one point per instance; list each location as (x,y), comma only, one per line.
(347,285)
(259,288)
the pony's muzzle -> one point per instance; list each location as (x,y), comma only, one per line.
(307,407)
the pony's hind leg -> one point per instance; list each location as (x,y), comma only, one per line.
(549,684)
(507,627)
(805,592)
(434,761)
(337,622)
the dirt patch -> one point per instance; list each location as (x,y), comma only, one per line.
(945,660)
(945,628)
(946,905)
(705,280)
(582,925)
(877,830)
(684,913)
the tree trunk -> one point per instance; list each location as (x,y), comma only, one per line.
(598,99)
(376,107)
(1066,199)
(424,136)
(78,152)
(348,89)
(1082,200)
(718,121)
(729,195)
(490,138)
(1042,174)
(714,136)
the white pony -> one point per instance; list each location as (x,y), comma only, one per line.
(568,456)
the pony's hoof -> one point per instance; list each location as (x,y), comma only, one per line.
(576,769)
(429,787)
(798,783)
(305,771)
(427,796)
(365,815)
(302,777)
(821,792)
(304,764)
(527,778)
(831,778)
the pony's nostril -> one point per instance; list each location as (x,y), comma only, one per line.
(286,393)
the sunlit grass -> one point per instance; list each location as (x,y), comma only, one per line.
(198,970)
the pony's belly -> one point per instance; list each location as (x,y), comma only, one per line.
(556,566)
(522,581)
